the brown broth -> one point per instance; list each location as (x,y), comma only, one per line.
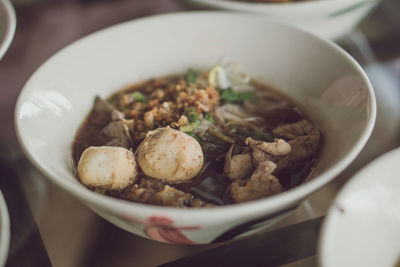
(210,185)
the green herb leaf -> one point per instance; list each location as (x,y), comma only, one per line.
(246,96)
(189,128)
(191,114)
(139,97)
(209,117)
(192,117)
(191,76)
(231,96)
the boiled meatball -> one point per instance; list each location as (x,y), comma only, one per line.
(170,155)
(107,167)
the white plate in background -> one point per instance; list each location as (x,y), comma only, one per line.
(7,25)
(362,227)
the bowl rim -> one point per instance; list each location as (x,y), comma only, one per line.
(357,179)
(237,5)
(11,23)
(249,208)
(4,230)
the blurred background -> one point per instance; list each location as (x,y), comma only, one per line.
(48,225)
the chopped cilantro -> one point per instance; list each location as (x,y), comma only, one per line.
(191,114)
(246,96)
(139,97)
(209,117)
(189,128)
(231,96)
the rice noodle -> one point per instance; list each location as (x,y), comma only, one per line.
(233,114)
(264,106)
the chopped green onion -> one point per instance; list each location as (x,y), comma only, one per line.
(191,76)
(139,97)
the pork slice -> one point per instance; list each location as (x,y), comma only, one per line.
(119,134)
(261,184)
(304,138)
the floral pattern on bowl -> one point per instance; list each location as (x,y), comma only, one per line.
(162,228)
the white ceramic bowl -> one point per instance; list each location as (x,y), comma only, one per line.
(7,25)
(4,230)
(362,226)
(320,75)
(332,19)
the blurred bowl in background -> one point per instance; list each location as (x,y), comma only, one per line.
(4,231)
(331,19)
(7,25)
